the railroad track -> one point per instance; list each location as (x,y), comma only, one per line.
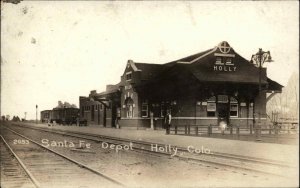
(245,164)
(13,172)
(49,168)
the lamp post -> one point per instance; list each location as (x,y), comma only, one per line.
(259,59)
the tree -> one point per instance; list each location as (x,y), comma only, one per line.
(286,103)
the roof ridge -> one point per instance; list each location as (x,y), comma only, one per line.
(211,51)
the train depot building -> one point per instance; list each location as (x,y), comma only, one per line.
(201,89)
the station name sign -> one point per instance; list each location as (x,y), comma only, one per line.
(224,68)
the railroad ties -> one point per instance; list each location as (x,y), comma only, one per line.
(12,172)
(242,163)
(47,168)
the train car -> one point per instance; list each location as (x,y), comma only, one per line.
(45,116)
(64,116)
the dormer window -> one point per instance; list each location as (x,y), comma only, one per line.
(219,61)
(229,61)
(128,76)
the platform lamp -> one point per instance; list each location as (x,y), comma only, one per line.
(259,59)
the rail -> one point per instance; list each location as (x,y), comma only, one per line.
(32,178)
(69,159)
(215,159)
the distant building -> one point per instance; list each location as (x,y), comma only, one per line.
(201,89)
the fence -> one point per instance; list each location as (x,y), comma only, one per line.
(197,130)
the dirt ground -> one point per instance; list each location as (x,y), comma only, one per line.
(136,169)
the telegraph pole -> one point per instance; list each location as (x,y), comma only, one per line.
(36,108)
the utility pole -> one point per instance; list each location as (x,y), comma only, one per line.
(36,109)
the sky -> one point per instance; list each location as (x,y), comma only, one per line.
(60,50)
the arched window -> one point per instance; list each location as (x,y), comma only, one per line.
(129,107)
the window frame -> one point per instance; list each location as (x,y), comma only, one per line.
(219,62)
(229,62)
(211,100)
(237,110)
(233,102)
(145,104)
(128,76)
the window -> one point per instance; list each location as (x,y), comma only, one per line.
(229,61)
(82,111)
(129,111)
(128,76)
(101,107)
(145,108)
(219,61)
(233,110)
(129,107)
(211,107)
(233,107)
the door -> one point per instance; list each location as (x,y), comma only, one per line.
(223,112)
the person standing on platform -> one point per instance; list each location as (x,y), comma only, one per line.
(168,122)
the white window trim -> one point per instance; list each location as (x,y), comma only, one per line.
(128,114)
(219,62)
(237,110)
(127,73)
(229,63)
(215,111)
(147,110)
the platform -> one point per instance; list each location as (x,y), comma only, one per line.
(268,151)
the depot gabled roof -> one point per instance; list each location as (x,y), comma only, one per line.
(203,67)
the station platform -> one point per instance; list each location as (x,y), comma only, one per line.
(267,151)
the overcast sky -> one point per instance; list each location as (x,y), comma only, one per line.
(61,50)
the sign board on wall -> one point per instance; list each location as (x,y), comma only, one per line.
(211,107)
(222,99)
(243,104)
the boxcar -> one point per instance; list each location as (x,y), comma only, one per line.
(65,116)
